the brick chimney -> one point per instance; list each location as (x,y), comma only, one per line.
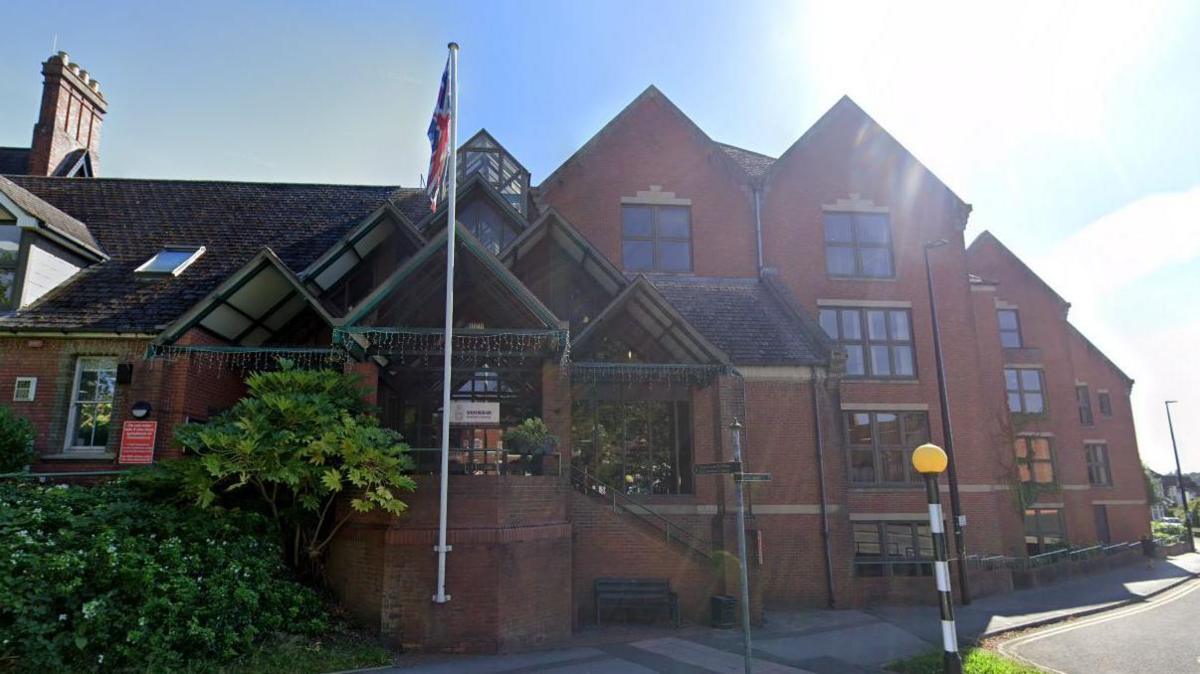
(72,111)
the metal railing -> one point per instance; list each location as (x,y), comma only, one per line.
(587,483)
(485,462)
(1051,557)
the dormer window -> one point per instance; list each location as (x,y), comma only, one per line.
(171,260)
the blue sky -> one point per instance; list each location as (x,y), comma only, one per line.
(1071,127)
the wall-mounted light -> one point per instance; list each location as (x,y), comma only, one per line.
(140,410)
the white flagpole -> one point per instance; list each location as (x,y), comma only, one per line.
(441,597)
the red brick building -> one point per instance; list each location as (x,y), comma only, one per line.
(655,287)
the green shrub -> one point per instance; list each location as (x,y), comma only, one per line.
(1166,529)
(104,578)
(292,446)
(16,442)
(532,437)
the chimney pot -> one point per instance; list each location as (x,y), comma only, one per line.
(83,75)
(95,86)
(73,67)
(64,57)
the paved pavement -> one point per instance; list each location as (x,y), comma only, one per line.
(824,642)
(1155,636)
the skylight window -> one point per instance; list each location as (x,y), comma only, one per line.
(171,260)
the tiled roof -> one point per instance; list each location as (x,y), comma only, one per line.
(754,164)
(133,219)
(52,217)
(743,318)
(14,160)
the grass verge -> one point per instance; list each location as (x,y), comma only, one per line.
(975,661)
(288,654)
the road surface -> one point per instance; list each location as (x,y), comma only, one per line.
(1158,635)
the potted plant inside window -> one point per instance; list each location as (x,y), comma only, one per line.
(533,440)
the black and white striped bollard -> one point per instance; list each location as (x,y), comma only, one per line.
(930,460)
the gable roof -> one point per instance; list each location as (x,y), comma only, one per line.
(649,93)
(671,329)
(755,164)
(252,305)
(552,224)
(846,106)
(14,160)
(51,218)
(987,238)
(133,219)
(359,242)
(475,183)
(1107,361)
(470,244)
(744,318)
(77,164)
(486,136)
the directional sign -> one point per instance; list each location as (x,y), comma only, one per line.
(717,468)
(752,477)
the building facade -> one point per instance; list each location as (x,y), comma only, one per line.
(655,288)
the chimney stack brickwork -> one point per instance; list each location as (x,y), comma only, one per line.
(71,115)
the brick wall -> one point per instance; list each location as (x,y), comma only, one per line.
(1067,359)
(177,390)
(508,573)
(652,143)
(608,543)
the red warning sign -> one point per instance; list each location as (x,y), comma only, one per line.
(137,441)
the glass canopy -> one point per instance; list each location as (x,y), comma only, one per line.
(483,156)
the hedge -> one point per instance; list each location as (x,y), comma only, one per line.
(109,578)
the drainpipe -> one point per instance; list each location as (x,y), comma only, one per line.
(757,188)
(821,490)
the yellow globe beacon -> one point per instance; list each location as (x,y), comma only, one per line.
(929,459)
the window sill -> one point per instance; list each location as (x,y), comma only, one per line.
(892,486)
(79,456)
(868,279)
(870,380)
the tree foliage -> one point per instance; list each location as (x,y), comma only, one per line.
(297,441)
(16,442)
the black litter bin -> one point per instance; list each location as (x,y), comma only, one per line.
(724,611)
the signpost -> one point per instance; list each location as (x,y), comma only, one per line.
(137,441)
(717,468)
(734,468)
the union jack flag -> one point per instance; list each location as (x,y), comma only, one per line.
(439,142)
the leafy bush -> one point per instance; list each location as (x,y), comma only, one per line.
(16,442)
(298,440)
(1164,529)
(103,578)
(531,436)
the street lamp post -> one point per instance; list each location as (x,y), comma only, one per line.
(1187,516)
(929,460)
(960,543)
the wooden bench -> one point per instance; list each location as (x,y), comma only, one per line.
(636,593)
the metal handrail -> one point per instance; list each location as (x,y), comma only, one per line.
(588,483)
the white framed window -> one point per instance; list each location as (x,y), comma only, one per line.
(90,417)
(171,260)
(25,389)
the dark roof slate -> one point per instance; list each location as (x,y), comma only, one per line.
(14,160)
(754,164)
(743,318)
(133,219)
(52,217)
